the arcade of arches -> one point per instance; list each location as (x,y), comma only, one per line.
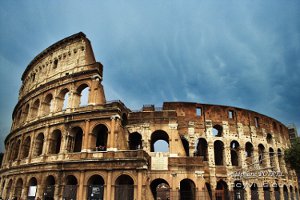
(68,143)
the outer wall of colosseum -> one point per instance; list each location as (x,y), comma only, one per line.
(68,142)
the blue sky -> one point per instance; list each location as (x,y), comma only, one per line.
(239,53)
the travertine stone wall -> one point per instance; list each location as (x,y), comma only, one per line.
(66,137)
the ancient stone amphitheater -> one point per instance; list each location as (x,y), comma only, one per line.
(68,142)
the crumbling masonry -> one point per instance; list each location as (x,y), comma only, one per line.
(63,146)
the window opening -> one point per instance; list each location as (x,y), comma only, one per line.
(256,121)
(230,114)
(198,112)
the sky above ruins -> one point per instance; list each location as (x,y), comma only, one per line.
(240,53)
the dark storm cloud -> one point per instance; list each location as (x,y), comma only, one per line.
(238,53)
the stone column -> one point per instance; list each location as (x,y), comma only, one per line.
(108,185)
(211,155)
(247,194)
(32,147)
(46,141)
(111,145)
(213,185)
(227,155)
(86,136)
(81,183)
(172,143)
(255,159)
(260,191)
(139,185)
(20,147)
(242,157)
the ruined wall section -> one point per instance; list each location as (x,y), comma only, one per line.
(57,76)
(70,55)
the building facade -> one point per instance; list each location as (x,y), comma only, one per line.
(68,142)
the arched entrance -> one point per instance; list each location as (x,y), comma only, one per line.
(70,190)
(267,195)
(32,188)
(202,149)
(124,188)
(101,134)
(159,141)
(135,141)
(95,187)
(187,190)
(254,192)
(160,189)
(222,191)
(219,152)
(234,152)
(277,192)
(238,190)
(285,193)
(76,139)
(49,188)
(19,187)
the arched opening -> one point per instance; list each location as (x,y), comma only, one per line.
(3,186)
(222,191)
(75,140)
(124,188)
(209,191)
(291,192)
(70,190)
(187,190)
(249,153)
(271,155)
(266,189)
(32,188)
(202,149)
(39,143)
(49,188)
(280,160)
(261,156)
(254,192)
(124,121)
(234,152)
(35,108)
(25,113)
(83,95)
(135,141)
(18,188)
(159,141)
(26,147)
(277,192)
(63,100)
(95,187)
(219,152)
(18,118)
(16,150)
(160,189)
(55,142)
(186,146)
(269,138)
(8,188)
(101,133)
(285,193)
(239,192)
(217,130)
(48,104)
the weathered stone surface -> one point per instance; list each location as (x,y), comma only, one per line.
(57,140)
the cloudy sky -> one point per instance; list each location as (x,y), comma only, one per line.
(240,53)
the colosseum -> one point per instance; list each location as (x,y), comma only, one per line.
(67,142)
